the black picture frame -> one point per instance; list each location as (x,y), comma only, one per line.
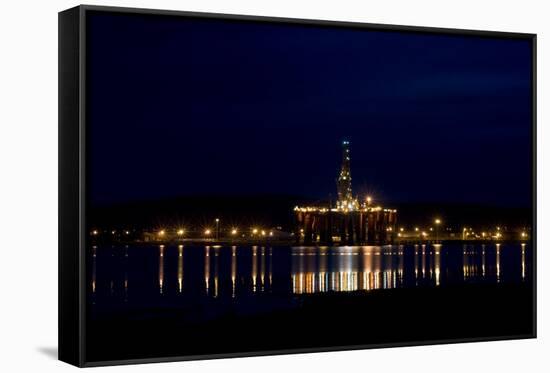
(72,175)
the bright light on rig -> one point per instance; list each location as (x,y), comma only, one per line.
(234,231)
(180,232)
(162,232)
(207,232)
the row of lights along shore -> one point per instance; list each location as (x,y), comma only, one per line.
(467,233)
(207,232)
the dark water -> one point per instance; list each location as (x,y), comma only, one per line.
(165,276)
(161,301)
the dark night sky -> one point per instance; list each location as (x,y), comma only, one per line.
(179,106)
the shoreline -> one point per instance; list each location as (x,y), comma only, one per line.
(278,242)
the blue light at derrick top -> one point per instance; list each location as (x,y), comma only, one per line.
(345,142)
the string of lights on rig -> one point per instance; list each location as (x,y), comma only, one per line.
(350,222)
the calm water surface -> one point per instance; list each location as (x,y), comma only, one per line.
(175,276)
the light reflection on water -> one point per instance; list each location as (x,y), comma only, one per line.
(180,268)
(128,273)
(346,269)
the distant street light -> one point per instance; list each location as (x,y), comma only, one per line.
(437,223)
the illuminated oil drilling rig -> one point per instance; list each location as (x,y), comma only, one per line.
(350,222)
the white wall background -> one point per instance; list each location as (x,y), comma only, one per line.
(28,183)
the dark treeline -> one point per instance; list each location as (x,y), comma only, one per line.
(277,210)
(460,215)
(260,210)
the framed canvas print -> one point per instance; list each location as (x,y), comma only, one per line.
(238,186)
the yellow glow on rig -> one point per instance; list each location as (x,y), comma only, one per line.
(95,232)
(207,232)
(437,221)
(234,231)
(254,231)
(162,232)
(180,232)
